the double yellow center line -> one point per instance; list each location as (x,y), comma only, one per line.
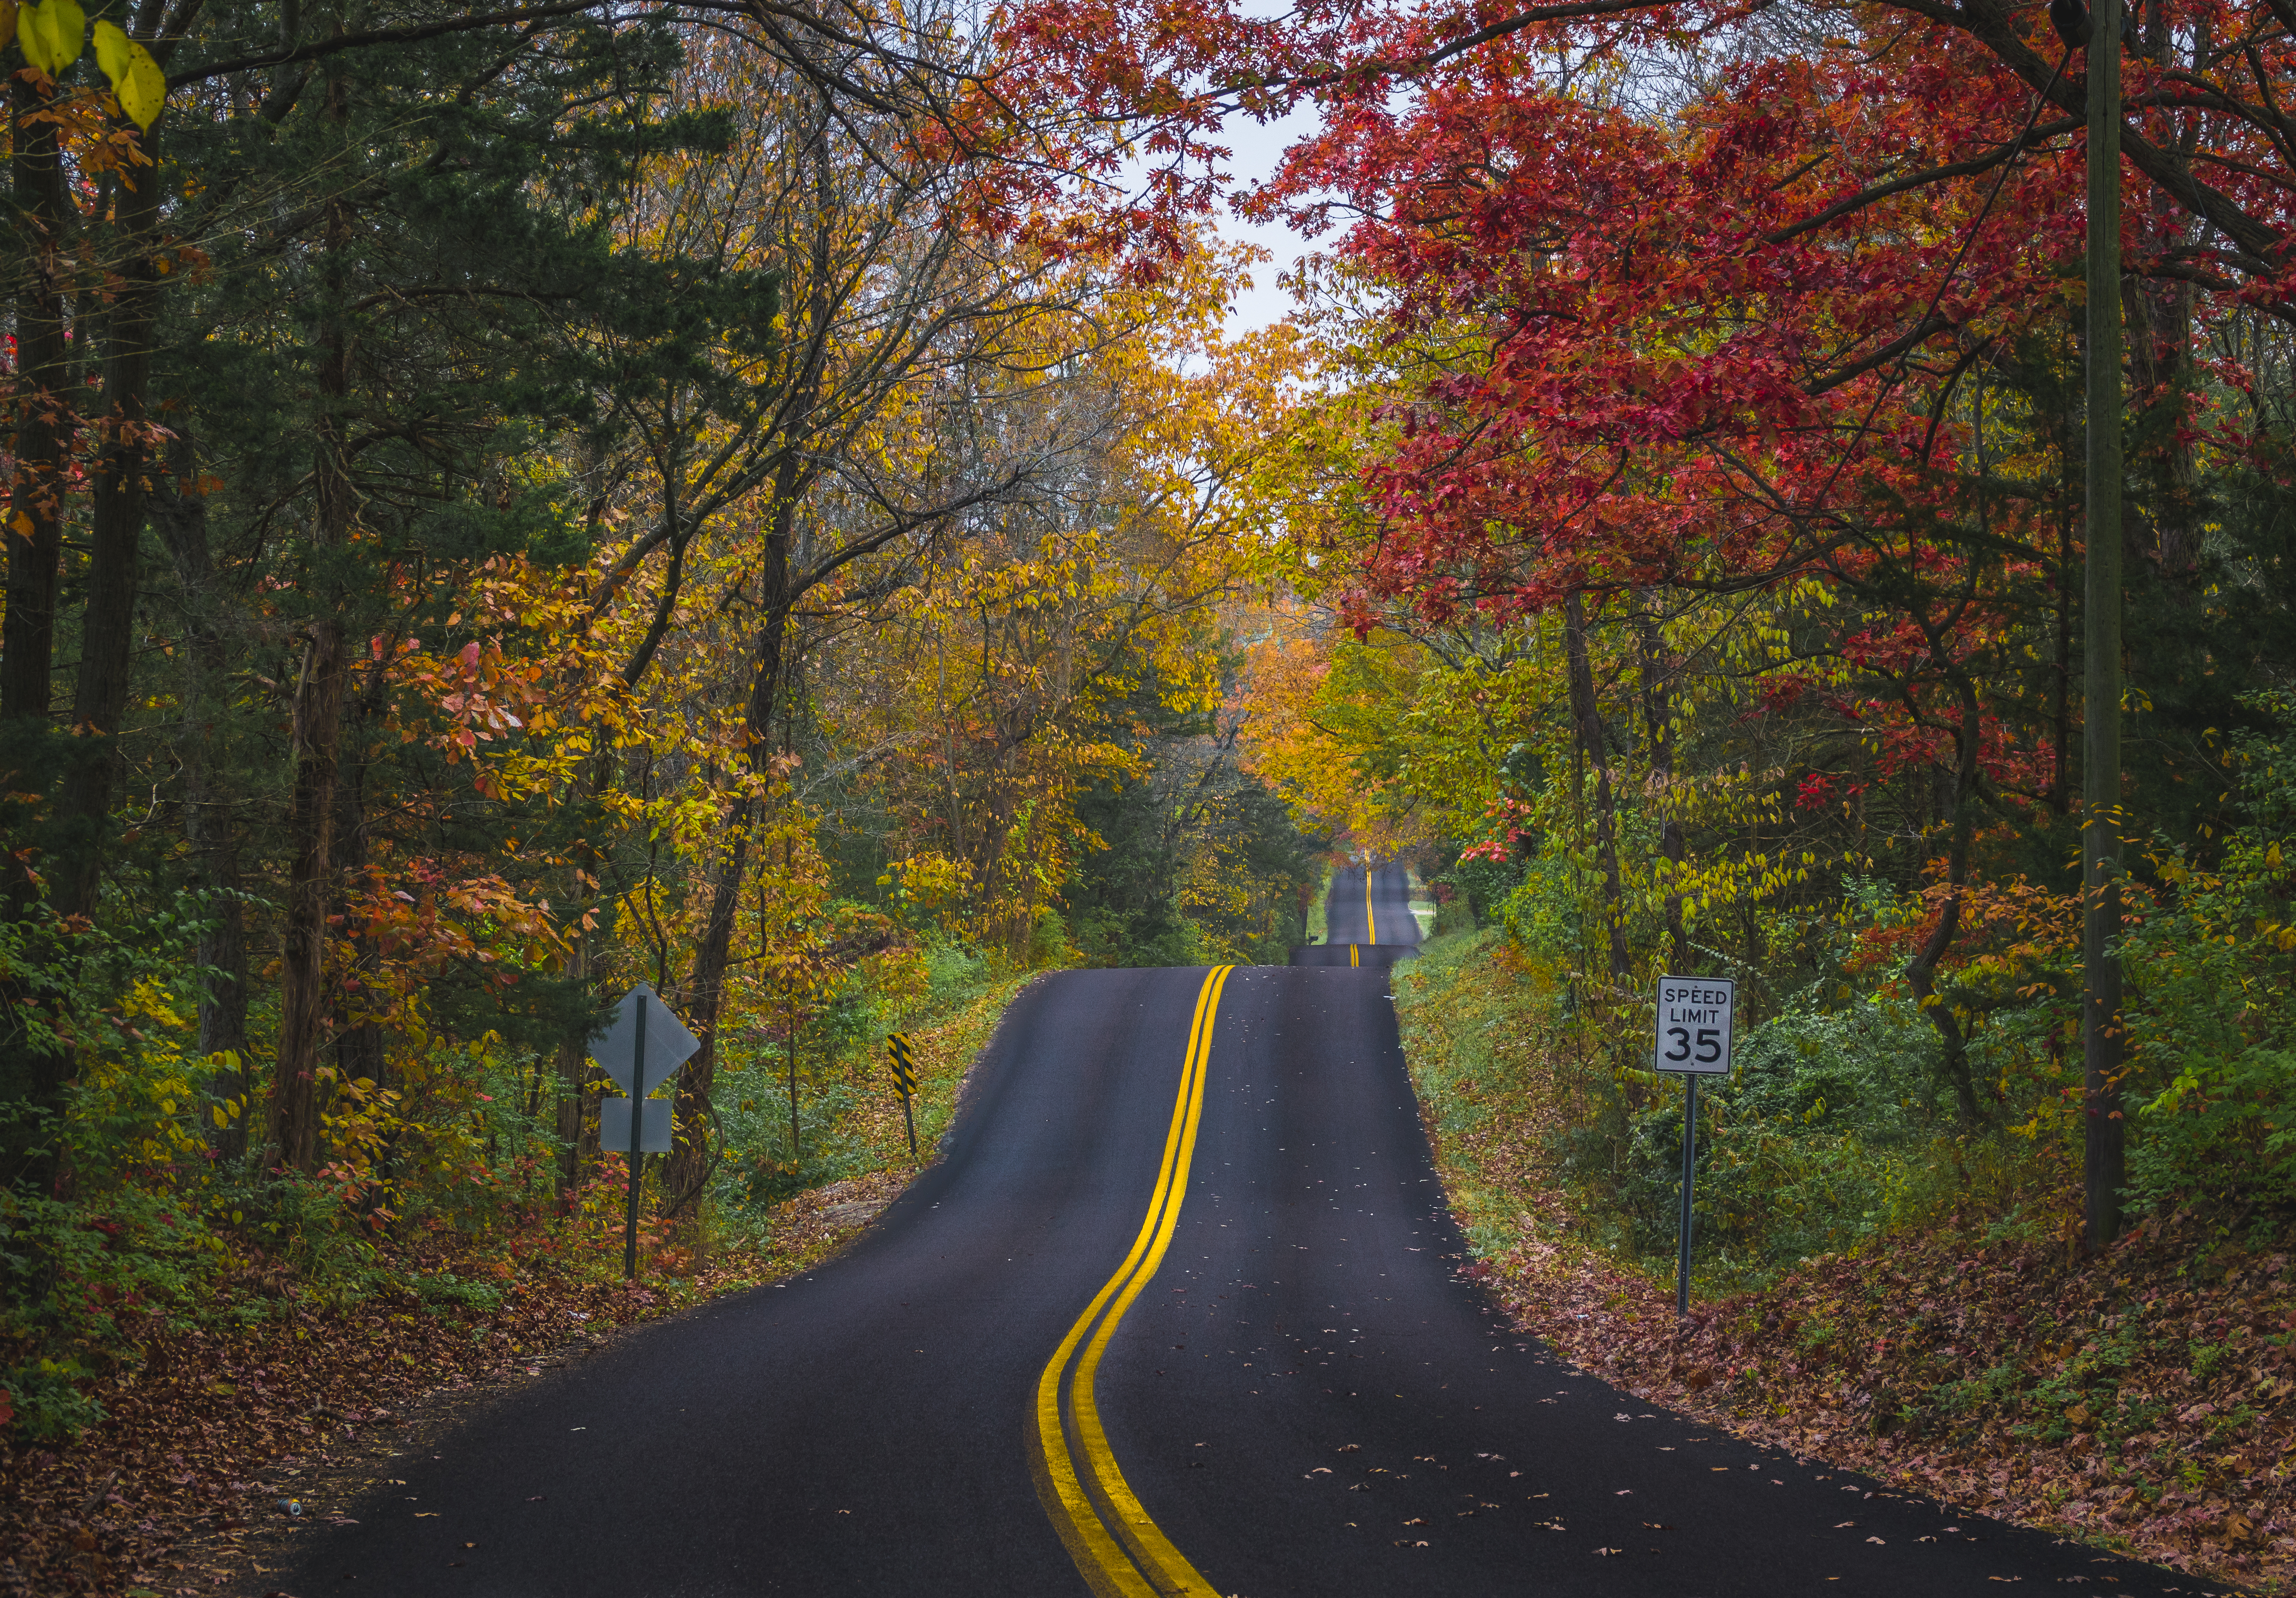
(1370,927)
(1119,1549)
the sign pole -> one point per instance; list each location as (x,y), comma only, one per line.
(1689,1167)
(621,1048)
(1696,1016)
(905,1080)
(637,1120)
(2103,1156)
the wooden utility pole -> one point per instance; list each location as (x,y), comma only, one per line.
(2103,1163)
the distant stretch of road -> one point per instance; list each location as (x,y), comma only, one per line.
(1367,920)
(1177,1312)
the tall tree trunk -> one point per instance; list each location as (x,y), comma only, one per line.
(361,1055)
(1586,717)
(2060,722)
(688,1164)
(577,1090)
(1921,971)
(122,489)
(34,534)
(44,418)
(316,732)
(1658,720)
(210,830)
(359,1051)
(580,1083)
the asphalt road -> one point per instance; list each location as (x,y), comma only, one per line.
(1302,1396)
(1367,920)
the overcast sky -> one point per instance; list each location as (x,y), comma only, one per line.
(1258,149)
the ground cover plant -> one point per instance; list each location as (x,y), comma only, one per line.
(184,1447)
(1949,1337)
(503,504)
(507,503)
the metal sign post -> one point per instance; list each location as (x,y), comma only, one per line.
(1696,1016)
(1689,1171)
(905,1078)
(637,1158)
(640,1049)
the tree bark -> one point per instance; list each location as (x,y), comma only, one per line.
(1657,719)
(317,726)
(687,1166)
(1586,717)
(577,1091)
(44,419)
(778,596)
(116,537)
(34,534)
(688,1163)
(1921,971)
(359,1051)
(213,835)
(2104,831)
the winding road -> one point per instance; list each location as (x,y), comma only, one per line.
(1176,1311)
(1368,918)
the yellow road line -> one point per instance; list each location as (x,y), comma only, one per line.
(1355,954)
(1119,1551)
(1370,927)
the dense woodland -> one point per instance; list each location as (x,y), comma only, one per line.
(1713,568)
(506,509)
(757,500)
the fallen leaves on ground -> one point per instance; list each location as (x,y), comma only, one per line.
(2143,1401)
(1997,1376)
(180,1485)
(182,1481)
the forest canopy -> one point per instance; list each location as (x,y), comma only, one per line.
(760,500)
(506,505)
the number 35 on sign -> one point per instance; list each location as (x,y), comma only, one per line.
(1694,1015)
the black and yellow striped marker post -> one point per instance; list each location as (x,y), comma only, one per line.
(1118,1550)
(905,1078)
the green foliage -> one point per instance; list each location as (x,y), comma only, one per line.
(86,1285)
(1483,884)
(448,1289)
(1839,1123)
(2211,1040)
(2224,1130)
(1865,1065)
(1194,871)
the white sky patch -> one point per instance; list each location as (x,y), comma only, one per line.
(1259,149)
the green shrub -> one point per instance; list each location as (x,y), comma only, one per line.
(2224,1129)
(86,1285)
(446,1288)
(1807,1146)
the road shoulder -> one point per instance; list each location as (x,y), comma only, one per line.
(1866,1360)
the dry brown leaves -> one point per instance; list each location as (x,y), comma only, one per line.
(2144,1401)
(1993,1375)
(182,1488)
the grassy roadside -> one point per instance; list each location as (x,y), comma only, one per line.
(2144,1402)
(183,1486)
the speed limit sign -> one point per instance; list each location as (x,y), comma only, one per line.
(1693,1024)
